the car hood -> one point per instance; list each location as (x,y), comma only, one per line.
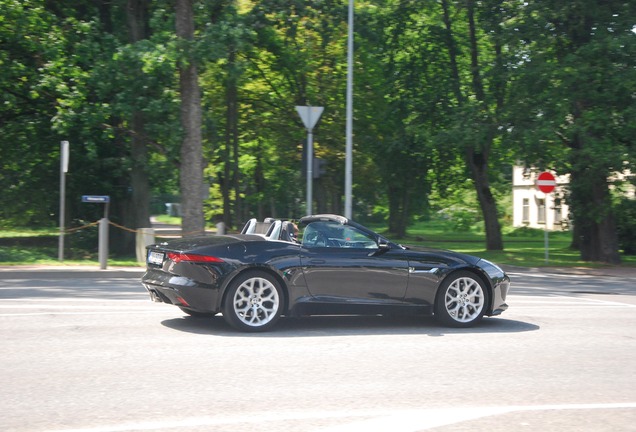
(449,255)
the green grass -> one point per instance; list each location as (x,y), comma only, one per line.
(36,255)
(26,246)
(165,219)
(523,247)
(27,232)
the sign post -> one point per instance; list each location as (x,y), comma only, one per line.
(546,183)
(102,242)
(64,155)
(310,116)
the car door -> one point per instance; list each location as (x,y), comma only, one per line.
(342,263)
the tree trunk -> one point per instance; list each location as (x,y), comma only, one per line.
(477,158)
(139,177)
(479,173)
(134,209)
(453,52)
(475,154)
(191,179)
(591,207)
(398,210)
(231,213)
(590,200)
(137,15)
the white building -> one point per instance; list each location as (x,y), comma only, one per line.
(535,209)
(530,204)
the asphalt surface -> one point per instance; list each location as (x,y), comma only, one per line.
(79,271)
(64,272)
(85,350)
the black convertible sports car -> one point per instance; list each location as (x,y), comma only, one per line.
(338,267)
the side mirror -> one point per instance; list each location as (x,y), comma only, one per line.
(383,244)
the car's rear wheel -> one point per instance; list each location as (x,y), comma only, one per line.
(253,302)
(461,300)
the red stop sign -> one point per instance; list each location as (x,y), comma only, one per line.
(546,182)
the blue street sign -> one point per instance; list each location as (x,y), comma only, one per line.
(100,199)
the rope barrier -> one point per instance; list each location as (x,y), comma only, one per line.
(136,231)
(116,225)
(76,229)
(72,230)
(123,227)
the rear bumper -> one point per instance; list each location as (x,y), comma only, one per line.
(180,291)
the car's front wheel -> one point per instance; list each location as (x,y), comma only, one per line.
(253,302)
(461,300)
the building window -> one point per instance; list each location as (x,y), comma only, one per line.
(541,211)
(526,211)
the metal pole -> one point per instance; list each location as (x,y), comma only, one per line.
(64,154)
(545,234)
(349,114)
(547,258)
(310,116)
(310,171)
(60,246)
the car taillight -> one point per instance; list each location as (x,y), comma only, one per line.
(195,258)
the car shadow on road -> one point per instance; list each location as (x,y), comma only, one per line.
(317,326)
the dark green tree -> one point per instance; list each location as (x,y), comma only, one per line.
(393,91)
(191,161)
(575,97)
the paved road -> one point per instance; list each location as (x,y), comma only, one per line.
(87,351)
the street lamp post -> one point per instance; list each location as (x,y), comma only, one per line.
(306,115)
(349,126)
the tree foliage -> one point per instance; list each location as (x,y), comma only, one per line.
(575,105)
(446,94)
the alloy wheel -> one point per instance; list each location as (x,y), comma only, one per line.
(464,300)
(256,302)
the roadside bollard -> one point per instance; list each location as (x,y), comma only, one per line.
(103,243)
(145,237)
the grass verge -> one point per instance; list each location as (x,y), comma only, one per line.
(523,247)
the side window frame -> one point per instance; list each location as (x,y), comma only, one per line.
(335,235)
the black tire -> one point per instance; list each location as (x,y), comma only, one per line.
(253,302)
(461,300)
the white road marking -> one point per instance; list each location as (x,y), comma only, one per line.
(74,300)
(118,307)
(69,306)
(560,276)
(7,315)
(368,420)
(552,302)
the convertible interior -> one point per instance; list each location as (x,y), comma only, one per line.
(317,233)
(271,229)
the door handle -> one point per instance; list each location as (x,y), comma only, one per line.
(317,261)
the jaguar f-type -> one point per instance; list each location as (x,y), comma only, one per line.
(321,265)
